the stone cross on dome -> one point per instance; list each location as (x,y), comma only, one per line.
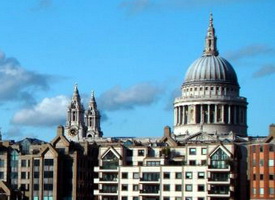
(210,40)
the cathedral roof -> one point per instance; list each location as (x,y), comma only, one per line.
(211,67)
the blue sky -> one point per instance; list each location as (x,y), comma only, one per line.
(132,53)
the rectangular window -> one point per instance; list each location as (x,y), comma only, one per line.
(192,162)
(48,162)
(261,162)
(135,198)
(166,198)
(188,175)
(166,175)
(23,175)
(200,188)
(261,177)
(2,163)
(261,149)
(203,151)
(201,175)
(36,163)
(271,176)
(178,187)
(203,162)
(141,152)
(1,175)
(270,163)
(261,190)
(254,191)
(124,175)
(136,175)
(135,188)
(192,151)
(178,198)
(188,187)
(188,198)
(178,175)
(23,163)
(124,198)
(271,147)
(254,177)
(200,198)
(124,187)
(271,191)
(166,187)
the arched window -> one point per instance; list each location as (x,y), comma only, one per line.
(110,161)
(219,160)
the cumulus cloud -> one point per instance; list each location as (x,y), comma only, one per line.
(49,112)
(250,51)
(137,6)
(18,83)
(266,70)
(122,99)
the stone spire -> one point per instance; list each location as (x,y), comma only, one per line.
(76,97)
(210,40)
(92,119)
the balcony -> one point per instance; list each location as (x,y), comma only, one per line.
(219,168)
(145,180)
(218,193)
(149,192)
(217,180)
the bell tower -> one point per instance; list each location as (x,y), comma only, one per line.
(92,119)
(75,126)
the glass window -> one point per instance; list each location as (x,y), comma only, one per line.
(2,163)
(136,175)
(261,149)
(188,187)
(271,147)
(166,175)
(201,175)
(200,188)
(271,191)
(166,187)
(270,163)
(23,175)
(254,191)
(141,152)
(203,151)
(261,177)
(124,198)
(135,198)
(188,175)
(261,162)
(271,176)
(110,161)
(178,175)
(192,151)
(23,163)
(124,175)
(261,190)
(135,188)
(188,198)
(178,187)
(1,175)
(178,198)
(166,198)
(200,198)
(192,162)
(124,187)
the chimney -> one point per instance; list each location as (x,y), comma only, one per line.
(272,130)
(167,131)
(60,130)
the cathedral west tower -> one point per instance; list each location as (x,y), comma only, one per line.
(210,95)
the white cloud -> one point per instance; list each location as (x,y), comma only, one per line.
(49,112)
(138,95)
(17,83)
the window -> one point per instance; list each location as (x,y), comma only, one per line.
(48,186)
(270,163)
(141,152)
(23,163)
(124,175)
(153,163)
(166,198)
(271,191)
(188,175)
(188,198)
(135,198)
(188,187)
(271,176)
(261,177)
(48,162)
(261,149)
(178,175)
(178,198)
(261,190)
(253,149)
(178,187)
(192,151)
(166,175)
(1,175)
(23,175)
(261,162)
(140,163)
(136,175)
(192,162)
(203,162)
(203,151)
(124,187)
(124,198)
(166,187)
(200,188)
(135,188)
(36,163)
(200,198)
(201,175)
(271,147)
(2,163)
(254,163)
(254,177)
(254,191)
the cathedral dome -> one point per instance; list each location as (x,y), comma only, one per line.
(211,68)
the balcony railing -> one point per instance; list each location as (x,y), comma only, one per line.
(149,191)
(218,192)
(218,179)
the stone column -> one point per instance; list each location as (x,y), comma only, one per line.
(229,114)
(208,114)
(202,115)
(216,114)
(183,115)
(222,114)
(235,114)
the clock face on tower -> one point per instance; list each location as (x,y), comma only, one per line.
(73,131)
